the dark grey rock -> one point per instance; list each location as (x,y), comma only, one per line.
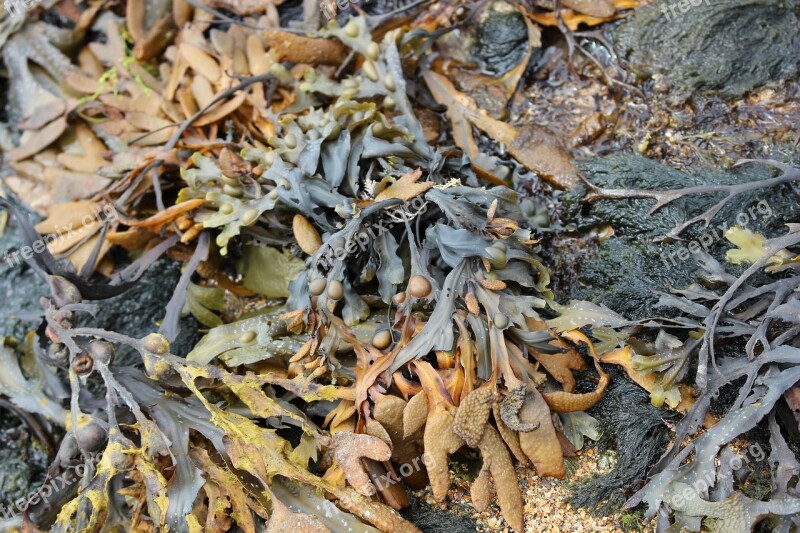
(23,462)
(135,313)
(727,47)
(138,311)
(20,287)
(501,41)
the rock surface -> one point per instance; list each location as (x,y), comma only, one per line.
(727,47)
(20,287)
(23,462)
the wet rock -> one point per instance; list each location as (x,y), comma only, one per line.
(136,312)
(700,46)
(23,459)
(23,462)
(501,39)
(625,269)
(498,54)
(20,287)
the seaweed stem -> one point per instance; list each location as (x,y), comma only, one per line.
(665,197)
(707,349)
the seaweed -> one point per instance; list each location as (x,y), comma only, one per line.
(376,299)
(682,481)
(638,433)
(732,334)
(332,197)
